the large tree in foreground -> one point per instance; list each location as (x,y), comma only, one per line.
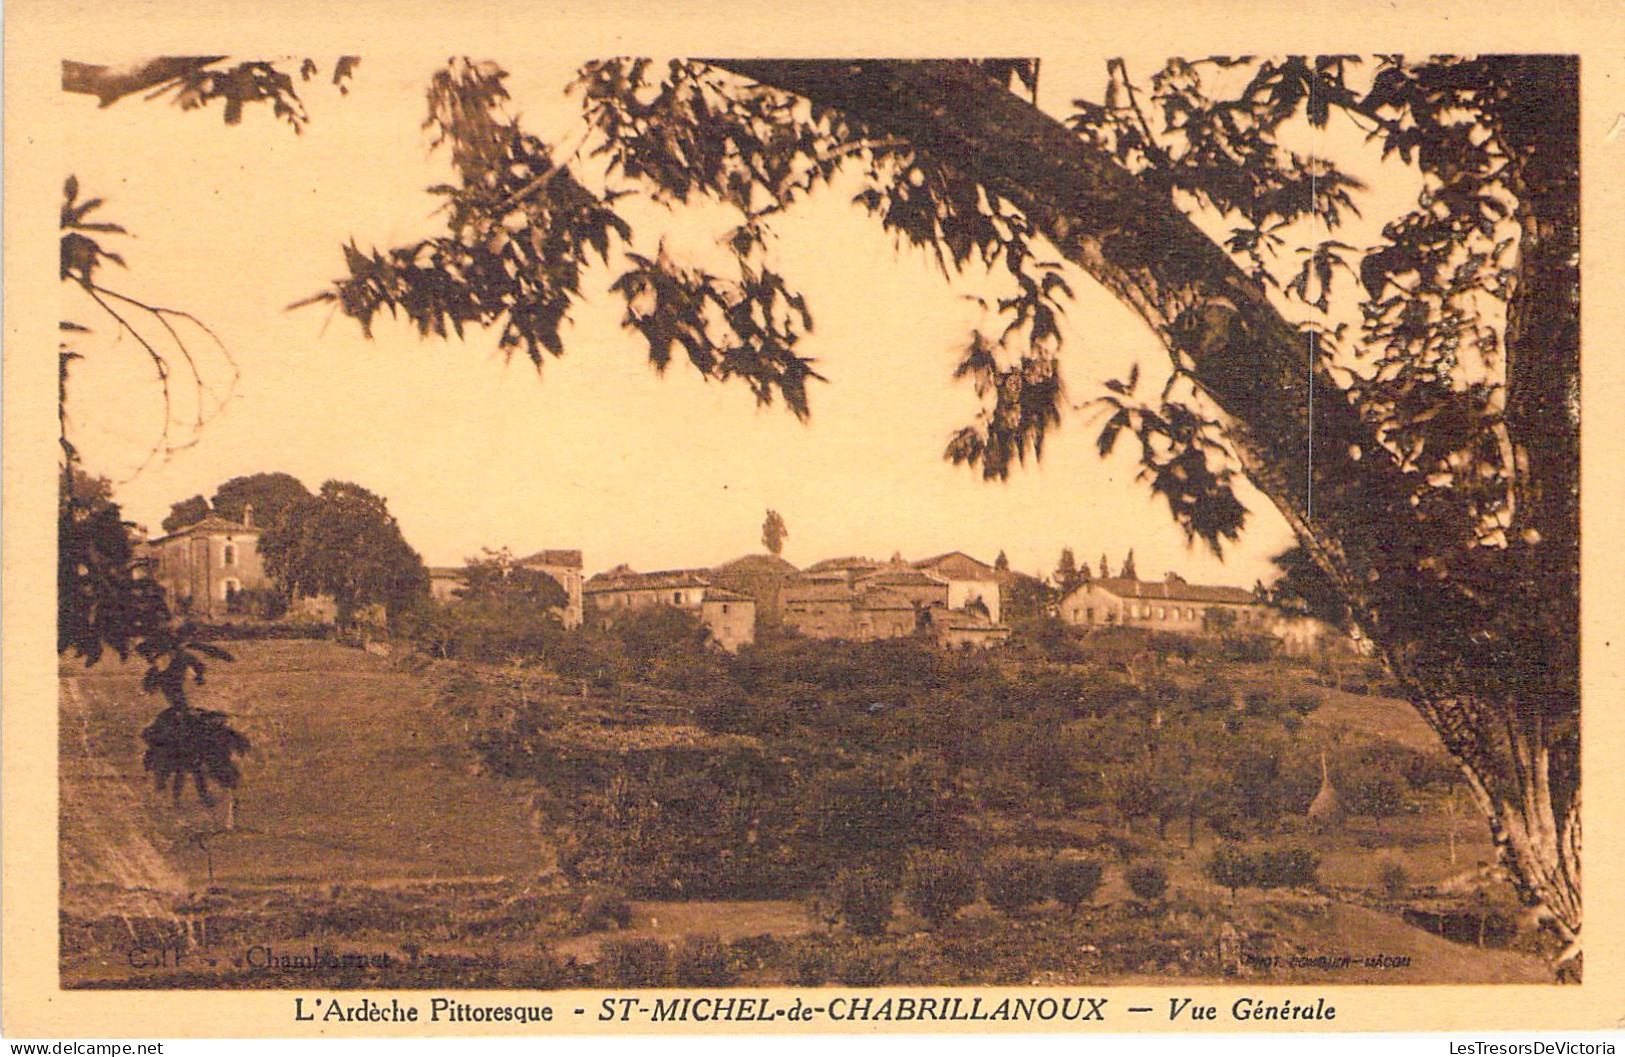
(1409,406)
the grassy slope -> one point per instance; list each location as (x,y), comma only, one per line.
(354,776)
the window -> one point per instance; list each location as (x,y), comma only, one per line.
(228,555)
(677,598)
(724,609)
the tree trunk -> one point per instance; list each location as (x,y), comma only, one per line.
(1497,677)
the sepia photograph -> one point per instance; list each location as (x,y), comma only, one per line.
(549,520)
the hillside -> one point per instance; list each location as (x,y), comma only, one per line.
(354,775)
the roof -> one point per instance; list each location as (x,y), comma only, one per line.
(904,576)
(1173,592)
(569,558)
(665,579)
(717,594)
(836,564)
(882,599)
(816,591)
(757,565)
(957,565)
(213,523)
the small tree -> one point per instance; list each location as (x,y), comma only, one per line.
(1128,572)
(1232,868)
(1002,562)
(1066,572)
(1014,880)
(1074,882)
(863,898)
(186,512)
(937,884)
(774,532)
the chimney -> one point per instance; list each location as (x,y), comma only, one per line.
(248,514)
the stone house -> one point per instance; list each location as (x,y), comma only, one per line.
(728,615)
(761,577)
(969,581)
(863,600)
(1172,605)
(565,567)
(446,582)
(205,567)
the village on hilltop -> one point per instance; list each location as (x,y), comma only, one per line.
(953,599)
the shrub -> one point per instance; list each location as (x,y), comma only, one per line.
(1303,702)
(1231,867)
(863,897)
(1212,694)
(1287,868)
(810,967)
(1395,880)
(703,961)
(1074,882)
(1014,880)
(634,963)
(601,909)
(861,968)
(1236,868)
(1148,881)
(938,884)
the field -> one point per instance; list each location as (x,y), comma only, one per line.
(416,825)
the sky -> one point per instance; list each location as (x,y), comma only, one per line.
(597,452)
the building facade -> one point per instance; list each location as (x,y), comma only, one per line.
(205,567)
(729,615)
(1172,605)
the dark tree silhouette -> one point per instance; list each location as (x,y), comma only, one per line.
(269,494)
(1067,575)
(345,544)
(186,512)
(774,532)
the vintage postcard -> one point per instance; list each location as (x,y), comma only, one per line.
(955,518)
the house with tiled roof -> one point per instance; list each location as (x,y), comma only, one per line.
(970,582)
(729,615)
(1171,605)
(563,566)
(206,566)
(863,600)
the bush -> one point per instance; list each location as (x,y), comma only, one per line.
(1287,868)
(810,967)
(599,910)
(1303,702)
(1148,881)
(1395,880)
(634,963)
(1074,882)
(1231,867)
(1014,880)
(1235,867)
(938,884)
(703,961)
(863,898)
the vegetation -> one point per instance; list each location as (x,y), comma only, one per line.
(938,885)
(774,532)
(344,543)
(1444,480)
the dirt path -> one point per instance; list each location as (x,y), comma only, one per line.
(106,829)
